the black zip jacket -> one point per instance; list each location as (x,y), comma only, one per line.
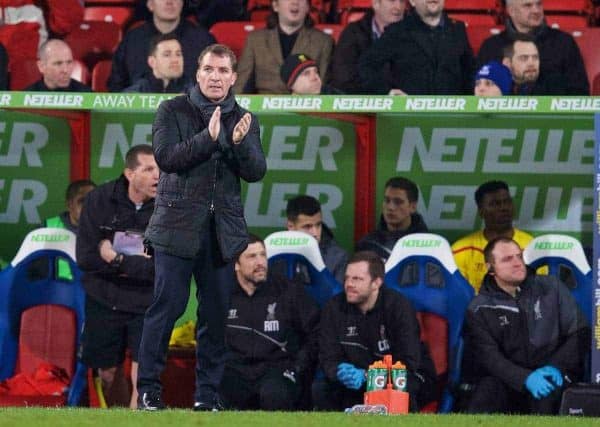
(510,337)
(128,286)
(274,329)
(382,240)
(390,327)
(421,60)
(199,177)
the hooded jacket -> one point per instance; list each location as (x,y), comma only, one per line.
(512,336)
(200,178)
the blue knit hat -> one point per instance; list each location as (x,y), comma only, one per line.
(498,73)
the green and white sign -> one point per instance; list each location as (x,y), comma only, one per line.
(34,174)
(321,103)
(548,162)
(305,155)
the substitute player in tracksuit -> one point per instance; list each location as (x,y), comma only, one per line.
(271,336)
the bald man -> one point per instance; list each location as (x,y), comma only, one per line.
(55,62)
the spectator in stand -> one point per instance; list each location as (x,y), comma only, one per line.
(521,55)
(55,62)
(3,68)
(166,62)
(399,217)
(495,207)
(300,74)
(129,61)
(289,31)
(493,79)
(356,38)
(558,52)
(426,53)
(304,214)
(361,325)
(207,12)
(271,335)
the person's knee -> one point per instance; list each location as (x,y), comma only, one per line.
(276,397)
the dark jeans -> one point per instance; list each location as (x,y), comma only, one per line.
(271,392)
(491,395)
(214,279)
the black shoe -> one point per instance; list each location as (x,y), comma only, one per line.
(151,401)
(214,406)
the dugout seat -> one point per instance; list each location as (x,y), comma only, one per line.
(297,256)
(41,314)
(421,267)
(565,258)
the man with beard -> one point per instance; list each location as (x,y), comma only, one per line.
(526,334)
(271,336)
(522,57)
(399,217)
(495,207)
(558,52)
(360,326)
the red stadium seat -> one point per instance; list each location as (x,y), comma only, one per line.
(567,21)
(334,30)
(119,15)
(474,5)
(94,40)
(351,15)
(100,75)
(80,72)
(587,40)
(354,4)
(477,35)
(23,74)
(234,33)
(596,86)
(576,6)
(477,19)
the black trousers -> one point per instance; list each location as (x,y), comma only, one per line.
(491,395)
(214,279)
(271,392)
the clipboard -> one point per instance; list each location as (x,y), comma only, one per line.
(128,243)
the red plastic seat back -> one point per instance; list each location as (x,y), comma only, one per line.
(235,33)
(47,334)
(434,332)
(100,75)
(93,41)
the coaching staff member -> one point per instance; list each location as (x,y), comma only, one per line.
(203,142)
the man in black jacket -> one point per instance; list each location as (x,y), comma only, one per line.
(427,53)
(166,63)
(304,214)
(117,280)
(559,54)
(129,61)
(203,142)
(399,217)
(55,62)
(356,38)
(362,325)
(526,334)
(271,337)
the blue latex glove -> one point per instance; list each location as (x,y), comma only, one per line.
(344,371)
(352,377)
(537,385)
(553,374)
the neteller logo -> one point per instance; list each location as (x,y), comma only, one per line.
(288,241)
(50,238)
(562,246)
(425,243)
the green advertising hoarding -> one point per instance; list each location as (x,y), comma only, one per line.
(34,174)
(548,162)
(305,155)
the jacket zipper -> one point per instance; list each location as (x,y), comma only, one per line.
(214,189)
